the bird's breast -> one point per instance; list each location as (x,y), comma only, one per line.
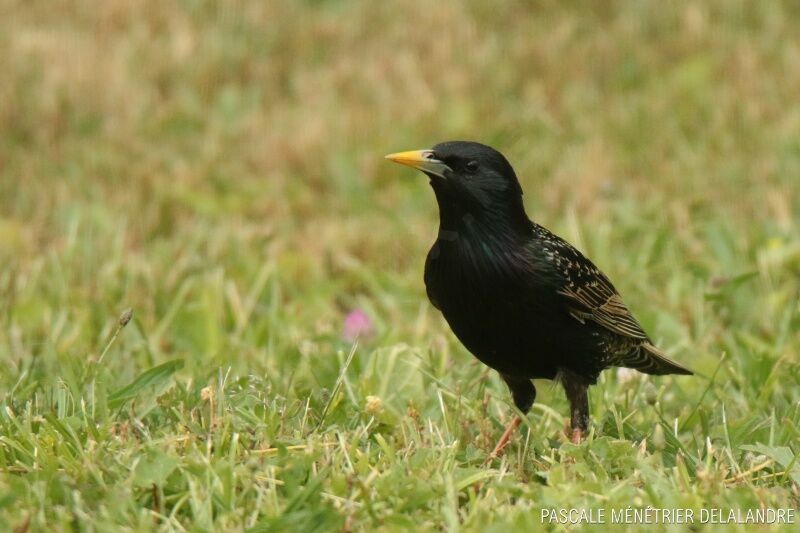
(460,273)
(495,304)
(480,292)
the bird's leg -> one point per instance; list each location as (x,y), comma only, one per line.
(577,393)
(523,392)
(506,437)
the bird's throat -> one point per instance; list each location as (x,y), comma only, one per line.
(463,214)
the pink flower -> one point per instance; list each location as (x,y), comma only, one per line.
(356,324)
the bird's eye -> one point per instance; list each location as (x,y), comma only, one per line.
(472,166)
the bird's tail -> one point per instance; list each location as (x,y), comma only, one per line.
(651,360)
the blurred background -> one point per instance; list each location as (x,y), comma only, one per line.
(146,144)
(218,168)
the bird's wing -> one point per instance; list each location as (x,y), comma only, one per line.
(594,301)
(588,293)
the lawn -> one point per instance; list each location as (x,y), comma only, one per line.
(217,169)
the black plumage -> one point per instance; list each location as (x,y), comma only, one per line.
(521,299)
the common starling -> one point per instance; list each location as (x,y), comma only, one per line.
(521,299)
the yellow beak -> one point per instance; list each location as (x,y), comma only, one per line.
(423,160)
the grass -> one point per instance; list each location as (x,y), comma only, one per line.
(218,170)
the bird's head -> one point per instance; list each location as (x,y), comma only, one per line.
(469,178)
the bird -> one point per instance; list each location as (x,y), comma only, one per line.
(521,299)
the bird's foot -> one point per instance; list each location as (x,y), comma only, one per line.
(505,438)
(574,435)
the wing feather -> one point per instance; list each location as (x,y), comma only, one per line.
(604,308)
(589,294)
